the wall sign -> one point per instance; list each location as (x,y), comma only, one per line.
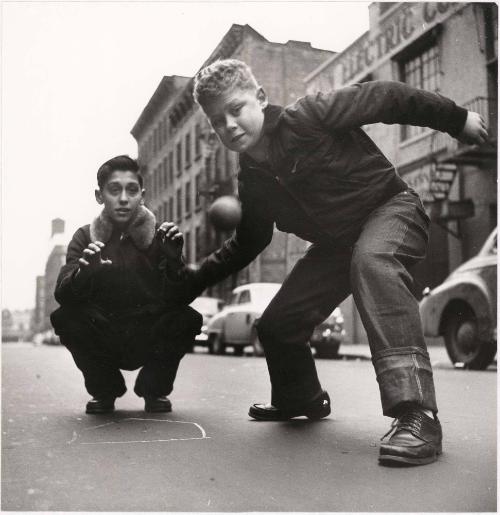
(401,27)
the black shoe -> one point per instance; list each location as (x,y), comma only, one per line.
(104,405)
(157,404)
(314,410)
(416,439)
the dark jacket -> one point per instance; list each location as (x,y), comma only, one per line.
(135,282)
(325,175)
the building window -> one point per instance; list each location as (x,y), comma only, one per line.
(165,173)
(171,209)
(187,246)
(187,199)
(179,205)
(170,167)
(385,6)
(188,150)
(165,212)
(197,244)
(157,182)
(197,187)
(160,177)
(421,71)
(197,141)
(179,158)
(218,171)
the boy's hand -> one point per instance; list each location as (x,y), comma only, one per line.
(474,131)
(91,259)
(171,240)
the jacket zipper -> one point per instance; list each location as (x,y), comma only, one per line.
(295,199)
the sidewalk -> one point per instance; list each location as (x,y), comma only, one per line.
(437,353)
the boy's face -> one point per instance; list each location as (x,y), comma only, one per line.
(121,195)
(237,116)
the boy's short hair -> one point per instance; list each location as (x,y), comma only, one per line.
(220,76)
(123,163)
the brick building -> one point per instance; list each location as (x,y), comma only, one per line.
(450,48)
(45,302)
(184,165)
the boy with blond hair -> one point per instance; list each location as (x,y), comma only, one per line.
(310,169)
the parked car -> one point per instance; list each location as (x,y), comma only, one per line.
(328,336)
(49,337)
(207,307)
(463,309)
(234,326)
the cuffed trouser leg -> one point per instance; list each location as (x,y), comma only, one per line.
(404,376)
(172,336)
(393,239)
(316,285)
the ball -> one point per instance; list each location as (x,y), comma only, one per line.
(225,213)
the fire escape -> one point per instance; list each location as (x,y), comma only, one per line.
(448,154)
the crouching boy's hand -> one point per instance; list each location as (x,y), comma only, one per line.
(474,131)
(171,240)
(91,259)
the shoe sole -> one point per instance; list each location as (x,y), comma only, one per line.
(310,415)
(390,458)
(98,411)
(158,410)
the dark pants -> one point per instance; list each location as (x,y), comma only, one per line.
(375,271)
(101,346)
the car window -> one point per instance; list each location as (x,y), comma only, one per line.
(208,305)
(244,297)
(493,249)
(234,299)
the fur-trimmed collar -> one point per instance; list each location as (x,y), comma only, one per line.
(141,229)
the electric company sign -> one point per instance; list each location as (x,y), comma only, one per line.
(401,27)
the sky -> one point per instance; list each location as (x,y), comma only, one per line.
(75,78)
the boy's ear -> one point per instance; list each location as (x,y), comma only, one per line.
(143,193)
(262,97)
(98,197)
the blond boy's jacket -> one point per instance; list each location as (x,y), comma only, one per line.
(324,175)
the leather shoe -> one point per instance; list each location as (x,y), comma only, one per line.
(314,410)
(104,405)
(157,405)
(416,439)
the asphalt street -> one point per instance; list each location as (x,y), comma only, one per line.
(209,456)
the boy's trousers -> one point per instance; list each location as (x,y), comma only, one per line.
(102,345)
(375,271)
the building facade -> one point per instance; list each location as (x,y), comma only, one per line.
(452,49)
(45,302)
(186,168)
(16,325)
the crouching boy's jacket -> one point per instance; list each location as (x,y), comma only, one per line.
(134,283)
(324,175)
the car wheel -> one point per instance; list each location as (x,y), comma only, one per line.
(238,351)
(258,350)
(462,341)
(218,346)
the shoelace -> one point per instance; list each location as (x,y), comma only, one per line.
(411,421)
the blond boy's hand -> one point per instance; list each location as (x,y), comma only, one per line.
(171,240)
(91,259)
(474,131)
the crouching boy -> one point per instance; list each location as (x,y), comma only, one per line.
(118,306)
